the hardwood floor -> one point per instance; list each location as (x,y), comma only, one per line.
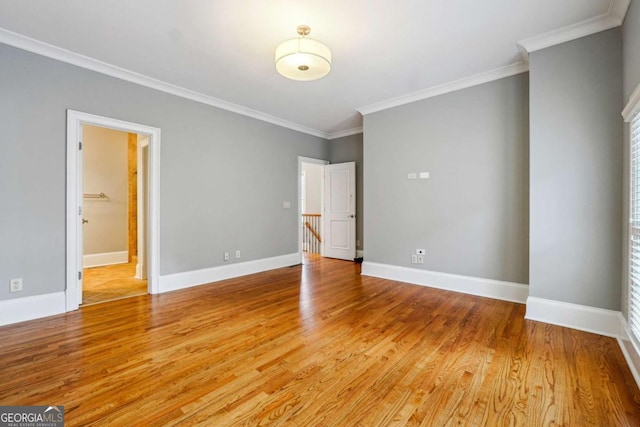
(315,345)
(101,284)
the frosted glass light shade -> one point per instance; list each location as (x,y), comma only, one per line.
(303,59)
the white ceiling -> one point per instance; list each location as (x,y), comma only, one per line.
(224,49)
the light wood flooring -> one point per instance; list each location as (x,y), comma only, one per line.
(111,282)
(315,345)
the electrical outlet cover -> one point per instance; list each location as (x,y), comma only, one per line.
(16,285)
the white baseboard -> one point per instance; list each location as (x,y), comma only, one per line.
(589,319)
(584,318)
(507,291)
(630,349)
(107,258)
(172,282)
(34,307)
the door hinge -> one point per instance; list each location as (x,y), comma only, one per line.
(79,145)
(79,275)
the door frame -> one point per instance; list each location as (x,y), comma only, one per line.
(75,121)
(302,160)
(142,154)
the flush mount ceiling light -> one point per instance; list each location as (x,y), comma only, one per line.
(302,58)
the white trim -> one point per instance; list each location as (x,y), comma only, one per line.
(614,17)
(188,279)
(497,289)
(581,317)
(569,33)
(41,48)
(107,258)
(633,106)
(343,133)
(466,82)
(75,120)
(618,9)
(29,308)
(630,349)
(142,174)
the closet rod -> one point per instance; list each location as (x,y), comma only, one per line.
(95,196)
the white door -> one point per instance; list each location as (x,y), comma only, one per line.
(340,211)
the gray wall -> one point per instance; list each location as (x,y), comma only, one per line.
(472,214)
(630,80)
(223,176)
(576,171)
(349,149)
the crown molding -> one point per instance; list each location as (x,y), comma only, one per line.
(614,17)
(477,79)
(346,132)
(618,9)
(44,49)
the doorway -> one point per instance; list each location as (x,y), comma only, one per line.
(327,209)
(147,141)
(310,203)
(113,213)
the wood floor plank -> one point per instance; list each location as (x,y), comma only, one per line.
(317,345)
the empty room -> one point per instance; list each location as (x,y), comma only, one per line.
(320,213)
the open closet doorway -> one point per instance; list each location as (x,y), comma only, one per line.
(141,237)
(114,214)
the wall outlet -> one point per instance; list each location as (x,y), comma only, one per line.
(226,256)
(286,205)
(16,285)
(420,259)
(414,259)
(237,254)
(421,252)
